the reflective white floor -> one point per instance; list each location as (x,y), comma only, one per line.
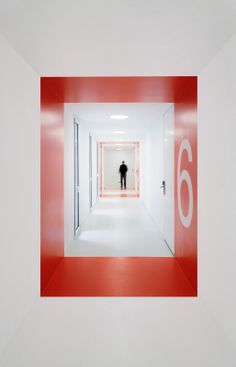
(119,227)
(120,192)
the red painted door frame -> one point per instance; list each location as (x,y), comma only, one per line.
(61,276)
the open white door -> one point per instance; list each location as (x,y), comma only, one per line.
(168,183)
(90,173)
(76,176)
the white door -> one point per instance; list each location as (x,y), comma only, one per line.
(76,176)
(168,183)
(90,173)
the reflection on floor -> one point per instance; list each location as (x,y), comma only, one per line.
(120,193)
(119,227)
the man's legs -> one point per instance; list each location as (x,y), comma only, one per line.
(121,181)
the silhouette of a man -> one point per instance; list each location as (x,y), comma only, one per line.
(123,172)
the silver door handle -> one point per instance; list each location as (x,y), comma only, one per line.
(163,186)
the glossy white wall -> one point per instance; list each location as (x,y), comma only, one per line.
(217,183)
(19,194)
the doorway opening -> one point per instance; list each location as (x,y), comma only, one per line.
(110,224)
(111,156)
(124,275)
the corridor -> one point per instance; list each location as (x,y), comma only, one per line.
(119,227)
(67,68)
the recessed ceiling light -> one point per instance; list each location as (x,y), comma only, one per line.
(119,132)
(119,117)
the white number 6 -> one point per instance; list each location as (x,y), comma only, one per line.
(181,177)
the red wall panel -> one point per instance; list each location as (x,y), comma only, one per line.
(186,174)
(119,89)
(52,184)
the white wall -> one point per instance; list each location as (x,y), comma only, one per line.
(19,194)
(129,332)
(217,186)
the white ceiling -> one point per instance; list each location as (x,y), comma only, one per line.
(141,116)
(122,37)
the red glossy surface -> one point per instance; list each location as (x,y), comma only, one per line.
(119,276)
(113,276)
(119,89)
(186,128)
(52,187)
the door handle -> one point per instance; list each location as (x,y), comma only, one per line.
(163,187)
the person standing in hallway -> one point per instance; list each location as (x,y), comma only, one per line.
(123,172)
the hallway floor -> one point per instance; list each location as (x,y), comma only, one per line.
(119,193)
(119,227)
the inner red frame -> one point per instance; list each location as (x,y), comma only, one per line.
(123,276)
